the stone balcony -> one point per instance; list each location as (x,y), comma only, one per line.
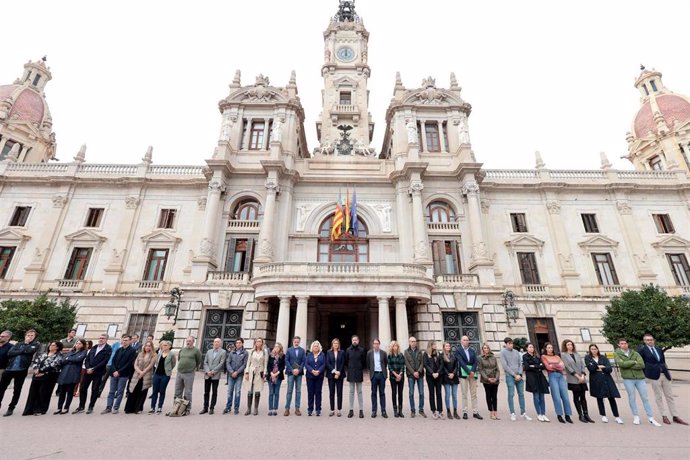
(342,279)
(228,278)
(435,228)
(70,285)
(244,225)
(459,280)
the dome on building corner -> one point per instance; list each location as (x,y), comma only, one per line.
(25,104)
(656,98)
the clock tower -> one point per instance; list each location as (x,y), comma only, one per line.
(344,126)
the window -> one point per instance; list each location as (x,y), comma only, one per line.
(679,268)
(446,255)
(155,265)
(439,212)
(345,98)
(606,273)
(167,218)
(256,141)
(663,223)
(141,325)
(433,142)
(590,223)
(20,216)
(78,263)
(240,255)
(37,78)
(519,222)
(247,210)
(348,248)
(245,127)
(528,268)
(6,149)
(6,254)
(655,163)
(652,83)
(93,219)
(646,91)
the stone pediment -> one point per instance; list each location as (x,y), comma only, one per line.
(598,243)
(12,236)
(86,236)
(261,92)
(672,242)
(433,96)
(525,242)
(160,236)
(345,81)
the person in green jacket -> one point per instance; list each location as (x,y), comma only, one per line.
(631,365)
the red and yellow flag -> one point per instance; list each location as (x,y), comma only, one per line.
(337,228)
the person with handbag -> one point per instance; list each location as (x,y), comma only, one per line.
(467,359)
(141,380)
(576,379)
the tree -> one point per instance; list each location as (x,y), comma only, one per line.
(50,318)
(648,311)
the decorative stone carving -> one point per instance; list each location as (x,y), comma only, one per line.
(624,207)
(416,187)
(216,186)
(266,248)
(131,202)
(59,201)
(463,129)
(201,203)
(80,157)
(553,206)
(420,251)
(116,258)
(470,188)
(412,134)
(260,92)
(226,128)
(277,133)
(485,205)
(206,248)
(272,187)
(362,149)
(430,95)
(479,251)
(566,262)
(13,156)
(303,213)
(384,212)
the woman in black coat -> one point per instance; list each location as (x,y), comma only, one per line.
(536,382)
(335,372)
(46,371)
(451,379)
(433,368)
(70,375)
(276,374)
(601,384)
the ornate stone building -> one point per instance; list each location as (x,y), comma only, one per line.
(443,247)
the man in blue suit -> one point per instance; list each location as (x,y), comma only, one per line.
(295,359)
(467,358)
(658,376)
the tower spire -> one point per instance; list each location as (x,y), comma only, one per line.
(346,12)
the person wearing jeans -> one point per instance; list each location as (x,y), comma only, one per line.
(161,376)
(122,369)
(276,374)
(295,359)
(511,361)
(450,371)
(414,368)
(535,381)
(235,362)
(559,389)
(19,361)
(631,366)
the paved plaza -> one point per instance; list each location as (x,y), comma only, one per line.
(125,436)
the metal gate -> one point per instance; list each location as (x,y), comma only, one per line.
(455,325)
(226,324)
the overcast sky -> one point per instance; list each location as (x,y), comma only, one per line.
(552,76)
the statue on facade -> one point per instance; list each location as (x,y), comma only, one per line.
(225,129)
(277,132)
(344,145)
(463,130)
(412,133)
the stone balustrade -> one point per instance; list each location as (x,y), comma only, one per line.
(70,284)
(458,280)
(244,224)
(308,268)
(218,277)
(443,227)
(92,170)
(546,175)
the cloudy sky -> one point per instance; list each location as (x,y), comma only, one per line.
(541,75)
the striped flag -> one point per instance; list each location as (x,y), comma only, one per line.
(337,228)
(354,222)
(347,210)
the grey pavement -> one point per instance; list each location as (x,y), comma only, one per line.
(124,436)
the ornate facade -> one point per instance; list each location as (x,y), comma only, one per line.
(246,237)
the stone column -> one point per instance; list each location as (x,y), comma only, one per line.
(373,327)
(479,250)
(402,332)
(418,221)
(22,155)
(208,243)
(301,319)
(266,140)
(384,323)
(562,247)
(3,141)
(442,141)
(247,134)
(423,147)
(265,253)
(283,329)
(634,241)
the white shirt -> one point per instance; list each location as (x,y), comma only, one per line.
(377,361)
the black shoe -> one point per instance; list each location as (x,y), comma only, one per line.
(412,414)
(383,414)
(226,411)
(57,412)
(373,415)
(589,420)
(395,412)
(560,419)
(89,410)
(422,414)
(78,410)
(350,414)
(361,414)
(582,418)
(400,414)
(464,416)
(9,412)
(477,416)
(210,411)
(456,416)
(203,411)
(568,419)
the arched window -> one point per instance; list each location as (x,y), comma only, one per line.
(439,212)
(247,210)
(347,248)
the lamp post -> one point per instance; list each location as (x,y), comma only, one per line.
(172,308)
(512,311)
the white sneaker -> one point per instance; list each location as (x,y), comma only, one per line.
(619,420)
(513,417)
(636,420)
(526,417)
(605,419)
(545,418)
(654,422)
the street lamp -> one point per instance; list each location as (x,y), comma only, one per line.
(512,311)
(172,308)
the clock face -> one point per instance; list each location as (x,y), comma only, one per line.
(346,54)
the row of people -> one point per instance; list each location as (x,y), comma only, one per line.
(134,373)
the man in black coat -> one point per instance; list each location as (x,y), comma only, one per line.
(94,364)
(19,361)
(355,361)
(121,370)
(5,346)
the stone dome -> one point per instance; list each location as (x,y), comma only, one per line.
(26,103)
(673,108)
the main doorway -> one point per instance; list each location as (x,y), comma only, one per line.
(342,326)
(542,330)
(343,317)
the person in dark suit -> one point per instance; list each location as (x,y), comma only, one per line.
(467,360)
(355,361)
(136,343)
(95,363)
(295,358)
(19,360)
(658,376)
(377,363)
(315,364)
(122,369)
(335,371)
